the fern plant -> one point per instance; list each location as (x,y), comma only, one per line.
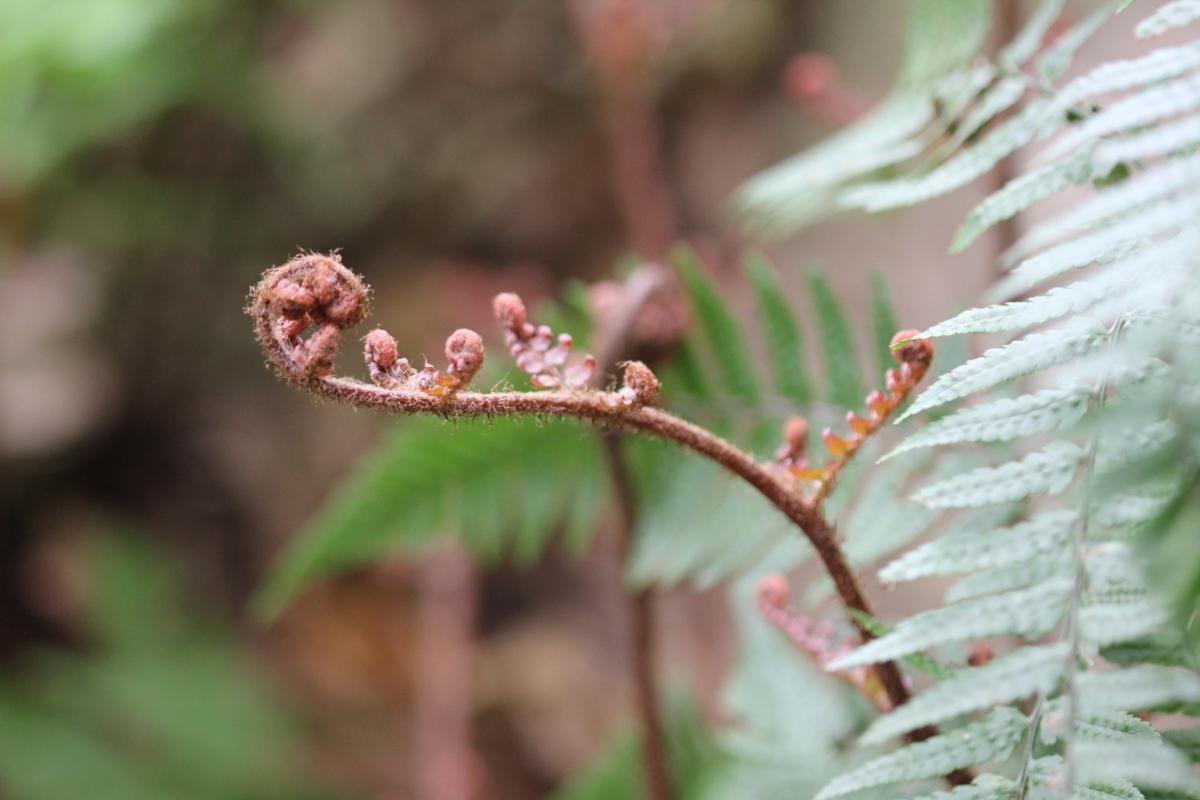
(1099,441)
(1056,472)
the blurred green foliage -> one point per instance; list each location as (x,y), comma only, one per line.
(164,706)
(74,73)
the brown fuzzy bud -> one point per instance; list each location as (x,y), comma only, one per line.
(464,351)
(510,310)
(379,348)
(642,381)
(917,352)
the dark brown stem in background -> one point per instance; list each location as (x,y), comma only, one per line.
(613,39)
(615,342)
(447,767)
(641,627)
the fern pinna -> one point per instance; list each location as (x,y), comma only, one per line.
(1099,435)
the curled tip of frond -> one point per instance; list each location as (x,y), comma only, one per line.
(908,349)
(772,590)
(795,433)
(510,310)
(311,291)
(537,351)
(464,352)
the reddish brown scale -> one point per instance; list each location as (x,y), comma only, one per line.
(836,445)
(878,403)
(860,425)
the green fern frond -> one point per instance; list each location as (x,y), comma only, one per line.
(432,479)
(1057,302)
(1006,679)
(1021,193)
(1004,579)
(1026,612)
(1174,14)
(1149,106)
(785,345)
(1005,420)
(993,737)
(1107,623)
(1033,353)
(721,329)
(1146,764)
(1144,687)
(1046,534)
(837,344)
(1046,471)
(883,321)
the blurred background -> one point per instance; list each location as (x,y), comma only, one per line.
(155,157)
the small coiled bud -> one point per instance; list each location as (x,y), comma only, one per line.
(773,591)
(917,352)
(642,381)
(510,310)
(380,348)
(795,435)
(464,352)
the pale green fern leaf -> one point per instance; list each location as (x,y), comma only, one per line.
(1027,41)
(1125,198)
(1004,579)
(1117,76)
(992,737)
(1171,15)
(1148,764)
(1006,679)
(1111,790)
(1046,471)
(1021,193)
(999,364)
(1121,239)
(997,99)
(1026,612)
(1059,301)
(1056,58)
(1108,623)
(1098,726)
(1034,121)
(1047,533)
(1185,740)
(1164,139)
(1140,688)
(1005,419)
(1146,107)
(985,787)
